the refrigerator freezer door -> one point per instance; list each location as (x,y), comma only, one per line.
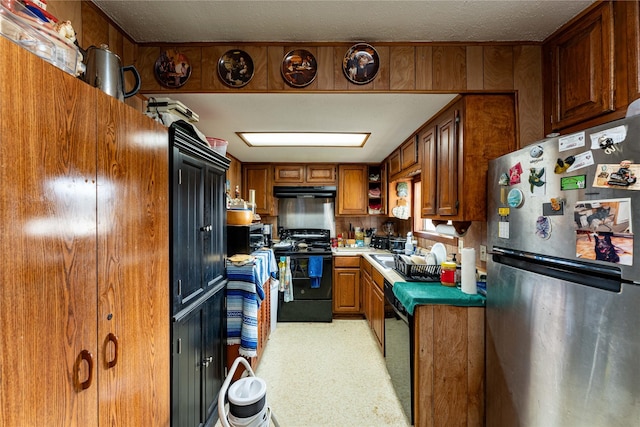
(535,226)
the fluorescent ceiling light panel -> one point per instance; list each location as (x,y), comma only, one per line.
(304,139)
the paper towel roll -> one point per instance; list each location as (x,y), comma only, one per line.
(468,273)
(446,230)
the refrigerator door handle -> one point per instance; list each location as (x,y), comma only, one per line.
(580,272)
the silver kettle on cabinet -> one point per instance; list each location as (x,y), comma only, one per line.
(105,71)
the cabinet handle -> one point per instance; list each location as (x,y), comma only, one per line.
(206,362)
(86,356)
(111,338)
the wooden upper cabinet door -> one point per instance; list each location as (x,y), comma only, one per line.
(409,154)
(289,174)
(429,171)
(258,177)
(447,160)
(582,69)
(352,189)
(321,174)
(395,163)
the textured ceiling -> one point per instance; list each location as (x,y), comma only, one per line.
(390,118)
(344,20)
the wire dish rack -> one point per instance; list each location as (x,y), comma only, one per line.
(416,272)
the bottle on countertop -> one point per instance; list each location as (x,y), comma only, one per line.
(458,275)
(408,246)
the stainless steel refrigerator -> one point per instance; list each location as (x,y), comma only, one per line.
(563,281)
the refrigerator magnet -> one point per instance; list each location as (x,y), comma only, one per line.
(514,174)
(607,139)
(543,227)
(570,142)
(537,181)
(555,207)
(582,160)
(515,198)
(576,182)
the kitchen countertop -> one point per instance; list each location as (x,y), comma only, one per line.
(411,294)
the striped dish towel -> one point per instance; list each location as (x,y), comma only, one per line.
(244,296)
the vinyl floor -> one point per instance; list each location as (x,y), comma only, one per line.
(328,375)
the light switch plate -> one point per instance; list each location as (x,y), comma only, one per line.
(483,253)
(460,245)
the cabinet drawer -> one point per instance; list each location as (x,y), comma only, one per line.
(346,261)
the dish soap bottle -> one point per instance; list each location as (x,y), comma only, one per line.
(408,246)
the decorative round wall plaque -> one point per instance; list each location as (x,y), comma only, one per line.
(235,68)
(361,63)
(172,68)
(299,68)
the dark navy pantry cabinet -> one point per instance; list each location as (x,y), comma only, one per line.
(198,278)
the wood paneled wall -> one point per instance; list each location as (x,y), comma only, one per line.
(417,67)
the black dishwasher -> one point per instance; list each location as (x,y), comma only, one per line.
(398,350)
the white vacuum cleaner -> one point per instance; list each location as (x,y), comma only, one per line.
(247,397)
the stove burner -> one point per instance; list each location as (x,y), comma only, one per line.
(317,241)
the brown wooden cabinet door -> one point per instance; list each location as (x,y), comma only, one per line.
(346,291)
(133,267)
(288,174)
(377,315)
(395,163)
(409,152)
(48,225)
(633,31)
(582,69)
(352,189)
(365,288)
(447,161)
(429,171)
(321,174)
(258,177)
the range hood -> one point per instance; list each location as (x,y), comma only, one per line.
(304,192)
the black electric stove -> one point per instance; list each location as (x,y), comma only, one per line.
(312,296)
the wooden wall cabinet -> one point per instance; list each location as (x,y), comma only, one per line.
(427,138)
(582,68)
(346,285)
(309,174)
(352,189)
(259,177)
(591,68)
(405,160)
(395,163)
(84,208)
(457,145)
(409,150)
